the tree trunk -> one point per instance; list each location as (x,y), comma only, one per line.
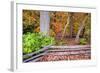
(83,32)
(71,25)
(80,29)
(44,22)
(68,19)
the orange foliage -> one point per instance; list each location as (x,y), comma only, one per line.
(57,27)
(37,29)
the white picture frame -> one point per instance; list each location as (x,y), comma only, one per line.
(16,59)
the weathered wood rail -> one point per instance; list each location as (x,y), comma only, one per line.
(35,55)
(71,47)
(59,51)
(69,52)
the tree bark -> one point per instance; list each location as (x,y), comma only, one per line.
(71,25)
(44,22)
(81,28)
(68,19)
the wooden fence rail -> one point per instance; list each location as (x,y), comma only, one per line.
(75,46)
(58,50)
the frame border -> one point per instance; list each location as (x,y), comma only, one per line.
(14,51)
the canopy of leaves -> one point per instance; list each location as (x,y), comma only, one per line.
(58,21)
(31,21)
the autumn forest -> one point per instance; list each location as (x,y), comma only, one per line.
(64,29)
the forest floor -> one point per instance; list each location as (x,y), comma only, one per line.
(70,41)
(66,41)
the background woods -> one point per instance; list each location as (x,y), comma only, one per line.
(31,21)
(69,28)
